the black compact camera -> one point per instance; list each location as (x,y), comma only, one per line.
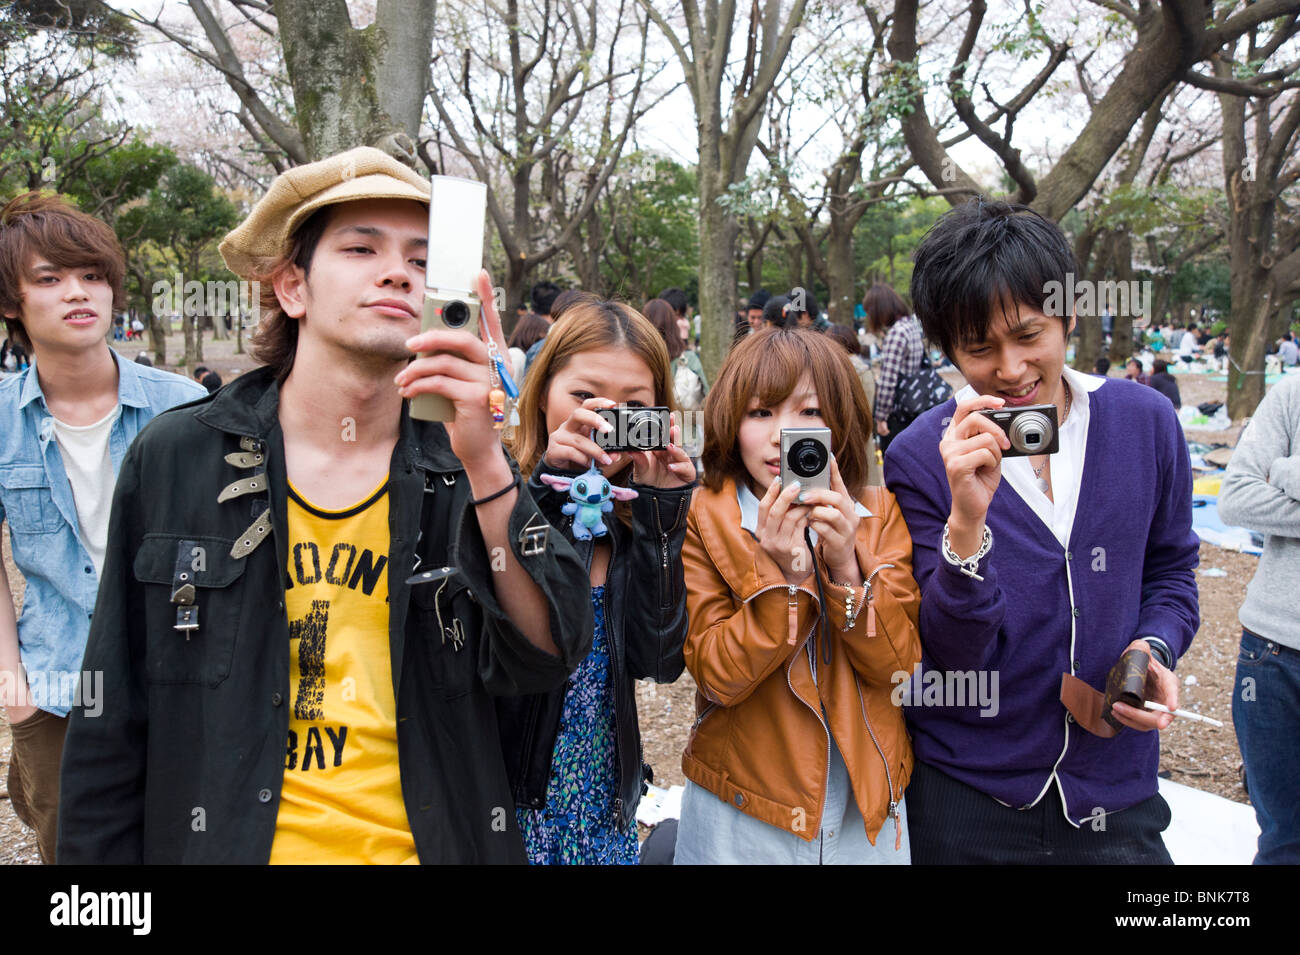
(1031,429)
(806,458)
(635,428)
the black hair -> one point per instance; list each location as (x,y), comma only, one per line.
(805,298)
(774,311)
(211,381)
(986,255)
(759,298)
(676,298)
(1103,366)
(543,296)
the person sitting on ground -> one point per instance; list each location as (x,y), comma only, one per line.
(1288,351)
(211,381)
(1102,367)
(199,372)
(1164,382)
(1133,372)
(1188,346)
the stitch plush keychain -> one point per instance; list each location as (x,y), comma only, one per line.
(589,498)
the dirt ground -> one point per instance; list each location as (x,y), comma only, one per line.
(1193,753)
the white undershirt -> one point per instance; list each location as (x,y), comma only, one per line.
(89,465)
(1067,463)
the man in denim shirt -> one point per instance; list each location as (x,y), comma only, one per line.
(65,424)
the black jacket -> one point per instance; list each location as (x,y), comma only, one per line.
(1164,383)
(185,763)
(645,621)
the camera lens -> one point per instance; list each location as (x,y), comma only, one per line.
(1029,432)
(455,314)
(644,429)
(807,457)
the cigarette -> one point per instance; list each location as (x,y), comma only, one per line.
(1161,708)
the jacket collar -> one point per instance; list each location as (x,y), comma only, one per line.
(749,502)
(130,390)
(249,406)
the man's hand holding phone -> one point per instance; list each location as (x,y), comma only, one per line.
(456,368)
(971,450)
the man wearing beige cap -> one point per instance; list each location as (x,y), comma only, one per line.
(293,672)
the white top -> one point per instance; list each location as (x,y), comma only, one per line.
(749,510)
(1188,345)
(1067,463)
(89,466)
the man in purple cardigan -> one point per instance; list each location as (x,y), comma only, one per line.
(1035,566)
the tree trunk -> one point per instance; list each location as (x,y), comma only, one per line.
(840,274)
(158,339)
(357,87)
(1248,325)
(1121,339)
(718,231)
(187,331)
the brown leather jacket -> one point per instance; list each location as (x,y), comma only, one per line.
(755,651)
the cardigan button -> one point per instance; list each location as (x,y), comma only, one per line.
(1069,556)
(264,795)
(1069,717)
(276,699)
(1074,611)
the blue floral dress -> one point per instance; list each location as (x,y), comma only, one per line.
(577,825)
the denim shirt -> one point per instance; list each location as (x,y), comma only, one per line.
(36,500)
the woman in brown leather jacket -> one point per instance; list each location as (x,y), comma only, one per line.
(798,753)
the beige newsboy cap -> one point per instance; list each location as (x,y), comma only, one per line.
(361,173)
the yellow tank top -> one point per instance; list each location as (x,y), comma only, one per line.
(342,795)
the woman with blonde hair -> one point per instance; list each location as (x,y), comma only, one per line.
(575,754)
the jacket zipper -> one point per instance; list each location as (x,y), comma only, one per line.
(889,777)
(664,583)
(821,805)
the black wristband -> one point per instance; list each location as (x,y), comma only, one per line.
(514,482)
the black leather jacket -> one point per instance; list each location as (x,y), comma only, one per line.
(200,720)
(645,621)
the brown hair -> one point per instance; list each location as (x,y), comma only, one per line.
(275,342)
(846,337)
(584,327)
(664,318)
(529,330)
(768,365)
(569,298)
(33,225)
(883,306)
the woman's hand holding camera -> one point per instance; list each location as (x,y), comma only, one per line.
(972,449)
(571,445)
(669,468)
(781,524)
(835,519)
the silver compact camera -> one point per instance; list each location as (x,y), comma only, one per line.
(806,458)
(1031,429)
(635,428)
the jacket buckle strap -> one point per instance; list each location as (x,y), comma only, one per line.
(245,485)
(256,533)
(189,560)
(532,539)
(254,445)
(449,480)
(187,620)
(245,459)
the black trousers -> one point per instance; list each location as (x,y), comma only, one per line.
(949,823)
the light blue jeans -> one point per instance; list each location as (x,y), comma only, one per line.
(713,832)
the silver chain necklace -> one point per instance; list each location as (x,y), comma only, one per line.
(1039,481)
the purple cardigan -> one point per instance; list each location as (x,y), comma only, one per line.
(1130,566)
